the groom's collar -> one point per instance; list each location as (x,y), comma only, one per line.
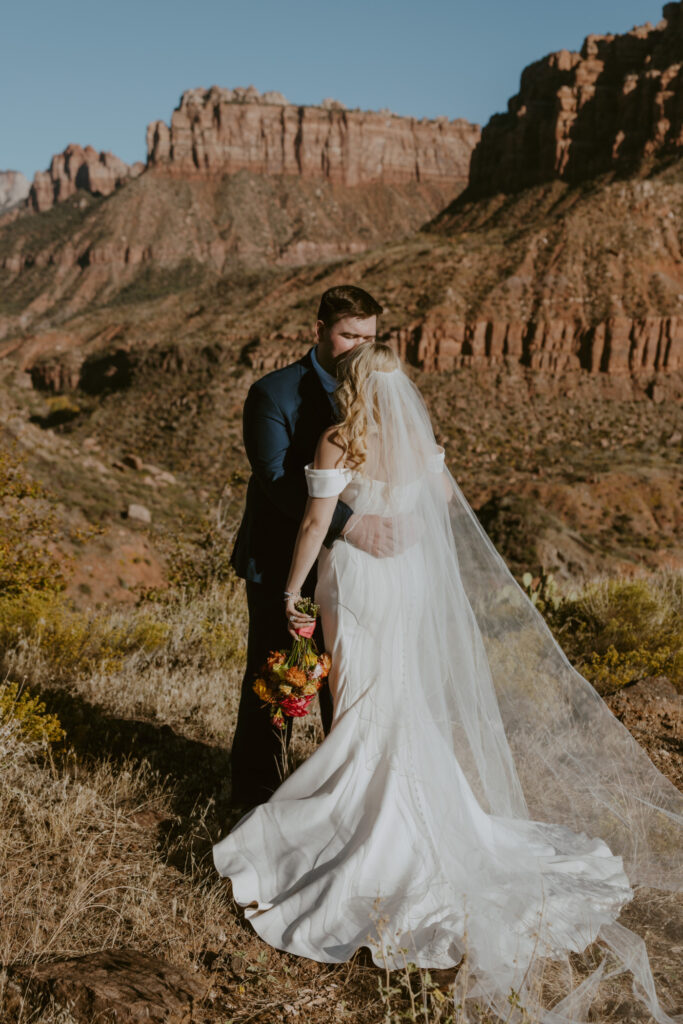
(328,381)
(326,390)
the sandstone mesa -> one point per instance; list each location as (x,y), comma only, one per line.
(220,131)
(226,130)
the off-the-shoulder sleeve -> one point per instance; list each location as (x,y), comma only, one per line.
(437,461)
(325,483)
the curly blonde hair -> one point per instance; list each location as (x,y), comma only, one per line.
(353,372)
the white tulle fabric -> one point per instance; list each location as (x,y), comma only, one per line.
(475,794)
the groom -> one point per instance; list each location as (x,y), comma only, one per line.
(285,413)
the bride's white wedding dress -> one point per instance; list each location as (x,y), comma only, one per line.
(409,830)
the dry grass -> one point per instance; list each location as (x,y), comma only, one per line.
(107,836)
(78,860)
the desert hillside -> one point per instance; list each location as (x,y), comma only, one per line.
(531,274)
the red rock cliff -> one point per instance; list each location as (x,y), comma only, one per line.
(614,105)
(78,168)
(225,130)
(617,346)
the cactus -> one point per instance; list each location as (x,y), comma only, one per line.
(542,590)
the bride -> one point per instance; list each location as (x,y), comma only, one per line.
(475,796)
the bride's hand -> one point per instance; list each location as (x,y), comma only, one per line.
(295,619)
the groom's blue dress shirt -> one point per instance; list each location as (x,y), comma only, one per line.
(285,413)
(329,382)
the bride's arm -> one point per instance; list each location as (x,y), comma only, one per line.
(313,529)
(447,485)
(438,466)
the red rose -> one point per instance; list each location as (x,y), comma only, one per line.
(297,707)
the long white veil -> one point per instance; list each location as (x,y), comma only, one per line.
(486,705)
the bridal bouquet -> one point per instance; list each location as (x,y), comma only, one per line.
(289,680)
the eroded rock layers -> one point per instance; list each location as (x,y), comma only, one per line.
(226,130)
(613,106)
(618,345)
(78,168)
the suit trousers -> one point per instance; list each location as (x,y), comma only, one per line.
(256,754)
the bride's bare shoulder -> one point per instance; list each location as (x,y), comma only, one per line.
(329,453)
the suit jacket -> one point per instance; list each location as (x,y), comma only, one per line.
(285,413)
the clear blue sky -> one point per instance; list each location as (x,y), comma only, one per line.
(96,73)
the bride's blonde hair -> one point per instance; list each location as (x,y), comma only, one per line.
(353,373)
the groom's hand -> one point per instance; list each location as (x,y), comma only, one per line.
(380,536)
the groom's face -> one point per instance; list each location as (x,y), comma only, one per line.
(344,335)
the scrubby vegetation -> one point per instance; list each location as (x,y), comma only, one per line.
(27,526)
(616,631)
(27,713)
(115,727)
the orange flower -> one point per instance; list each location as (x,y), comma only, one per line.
(325,662)
(295,676)
(275,658)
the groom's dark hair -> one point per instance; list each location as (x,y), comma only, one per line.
(346,300)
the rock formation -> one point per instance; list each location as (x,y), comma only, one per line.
(619,345)
(220,131)
(125,984)
(77,168)
(614,106)
(14,187)
(225,130)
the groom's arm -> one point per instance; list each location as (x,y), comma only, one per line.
(267,441)
(341,515)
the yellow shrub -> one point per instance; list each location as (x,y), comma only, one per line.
(614,669)
(221,641)
(617,631)
(148,633)
(30,713)
(63,634)
(63,404)
(72,641)
(27,523)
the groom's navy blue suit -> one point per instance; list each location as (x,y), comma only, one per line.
(285,413)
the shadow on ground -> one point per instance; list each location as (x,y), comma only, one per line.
(199,772)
